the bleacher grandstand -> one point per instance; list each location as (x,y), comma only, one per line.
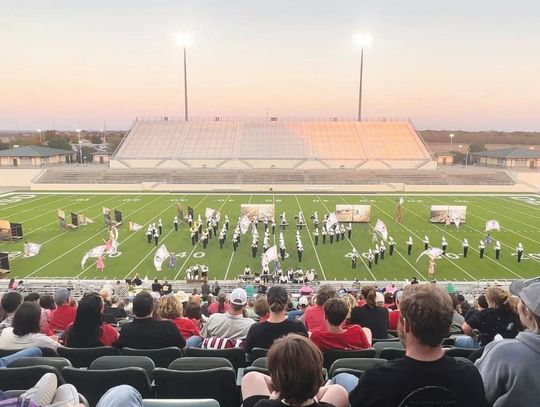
(272,143)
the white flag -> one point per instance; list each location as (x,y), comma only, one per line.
(95,252)
(134,227)
(401,200)
(331,221)
(432,253)
(492,225)
(270,255)
(212,213)
(31,249)
(380,228)
(161,254)
(457,221)
(244,224)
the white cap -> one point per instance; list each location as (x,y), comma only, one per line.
(238,296)
(303,301)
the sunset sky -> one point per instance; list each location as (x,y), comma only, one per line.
(460,64)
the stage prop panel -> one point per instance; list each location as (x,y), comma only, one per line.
(353,213)
(258,211)
(447,214)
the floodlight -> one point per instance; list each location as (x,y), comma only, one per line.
(184,39)
(362,40)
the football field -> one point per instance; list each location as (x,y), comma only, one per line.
(61,251)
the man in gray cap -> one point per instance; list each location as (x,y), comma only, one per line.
(64,314)
(509,367)
(231,324)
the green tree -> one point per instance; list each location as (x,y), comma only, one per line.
(59,142)
(4,146)
(95,139)
(87,154)
(475,147)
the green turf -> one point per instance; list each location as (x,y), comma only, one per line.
(62,251)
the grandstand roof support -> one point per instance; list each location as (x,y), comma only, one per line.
(185,85)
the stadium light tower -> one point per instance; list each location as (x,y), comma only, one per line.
(451,140)
(361,41)
(184,40)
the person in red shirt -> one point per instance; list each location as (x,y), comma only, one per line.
(221,305)
(314,316)
(393,316)
(336,337)
(64,314)
(89,330)
(171,308)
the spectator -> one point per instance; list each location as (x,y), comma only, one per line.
(303,303)
(24,333)
(215,288)
(370,315)
(350,301)
(250,290)
(231,324)
(156,286)
(10,302)
(426,315)
(64,314)
(206,303)
(166,288)
(306,290)
(12,285)
(89,330)
(296,377)
(193,312)
(393,316)
(508,367)
(221,306)
(351,337)
(480,305)
(145,332)
(250,309)
(261,308)
(500,318)
(389,300)
(171,308)
(205,287)
(137,281)
(314,315)
(457,319)
(264,334)
(116,308)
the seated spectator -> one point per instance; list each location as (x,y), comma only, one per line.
(145,332)
(205,287)
(303,303)
(480,304)
(457,319)
(207,300)
(10,302)
(393,316)
(46,302)
(220,306)
(116,308)
(89,330)
(370,315)
(296,377)
(171,308)
(193,312)
(263,335)
(64,314)
(426,315)
(231,324)
(389,300)
(156,286)
(314,315)
(352,337)
(166,288)
(24,353)
(500,318)
(350,301)
(137,281)
(250,309)
(508,367)
(261,308)
(24,332)
(306,290)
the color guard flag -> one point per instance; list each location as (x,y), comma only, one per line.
(95,252)
(432,253)
(270,255)
(244,224)
(161,255)
(332,220)
(380,228)
(492,225)
(31,249)
(134,227)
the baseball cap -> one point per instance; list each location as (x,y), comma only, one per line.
(61,296)
(182,296)
(529,292)
(303,301)
(238,296)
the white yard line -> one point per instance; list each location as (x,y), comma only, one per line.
(459,240)
(73,248)
(395,250)
(196,244)
(233,252)
(33,208)
(310,238)
(352,245)
(130,236)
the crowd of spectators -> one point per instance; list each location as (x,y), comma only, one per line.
(503,327)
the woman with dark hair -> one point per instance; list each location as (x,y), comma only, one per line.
(193,312)
(221,306)
(296,378)
(88,330)
(264,334)
(370,315)
(314,315)
(24,332)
